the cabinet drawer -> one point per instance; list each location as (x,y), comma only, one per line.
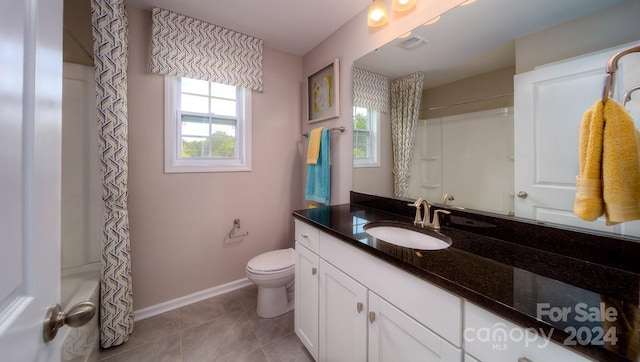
(307,235)
(430,305)
(489,337)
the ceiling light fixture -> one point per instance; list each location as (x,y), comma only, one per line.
(378,14)
(403,5)
(432,21)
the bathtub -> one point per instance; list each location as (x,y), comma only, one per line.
(80,284)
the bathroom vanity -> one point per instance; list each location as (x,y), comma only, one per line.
(488,297)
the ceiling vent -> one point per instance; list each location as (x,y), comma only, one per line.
(413,42)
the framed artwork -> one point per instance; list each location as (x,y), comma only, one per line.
(322,93)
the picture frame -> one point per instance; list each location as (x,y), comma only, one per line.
(323,97)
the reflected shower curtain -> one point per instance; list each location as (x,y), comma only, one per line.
(111,48)
(405,106)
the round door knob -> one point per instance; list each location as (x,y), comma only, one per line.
(79,315)
(522,195)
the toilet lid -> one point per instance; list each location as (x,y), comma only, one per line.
(273,260)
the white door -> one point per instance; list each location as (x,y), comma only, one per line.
(30,124)
(394,336)
(549,104)
(343,316)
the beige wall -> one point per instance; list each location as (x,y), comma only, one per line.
(179,221)
(348,43)
(77,40)
(488,87)
(605,29)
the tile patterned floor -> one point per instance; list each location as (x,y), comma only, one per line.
(222,328)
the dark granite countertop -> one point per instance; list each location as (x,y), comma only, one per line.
(515,281)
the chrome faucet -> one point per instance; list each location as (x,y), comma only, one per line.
(446,197)
(418,221)
(424,221)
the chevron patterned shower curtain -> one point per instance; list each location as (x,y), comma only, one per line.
(405,106)
(111,48)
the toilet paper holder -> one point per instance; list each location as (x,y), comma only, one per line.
(236,225)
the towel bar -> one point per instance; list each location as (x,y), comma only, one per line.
(341,129)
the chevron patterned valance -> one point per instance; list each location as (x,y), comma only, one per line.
(370,90)
(187,47)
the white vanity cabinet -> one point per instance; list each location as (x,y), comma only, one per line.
(368,310)
(306,287)
(489,337)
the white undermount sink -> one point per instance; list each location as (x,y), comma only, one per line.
(405,236)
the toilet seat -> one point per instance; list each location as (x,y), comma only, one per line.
(273,262)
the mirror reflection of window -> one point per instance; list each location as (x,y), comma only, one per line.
(366,137)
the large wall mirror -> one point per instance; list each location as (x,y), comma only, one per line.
(506,83)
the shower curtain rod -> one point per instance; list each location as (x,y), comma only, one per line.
(471,101)
(341,129)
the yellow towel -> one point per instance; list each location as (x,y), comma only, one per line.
(588,203)
(620,165)
(609,179)
(314,146)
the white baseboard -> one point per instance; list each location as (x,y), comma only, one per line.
(189,299)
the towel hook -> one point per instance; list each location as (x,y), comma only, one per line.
(627,95)
(236,225)
(612,68)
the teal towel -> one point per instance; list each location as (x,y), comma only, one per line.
(318,187)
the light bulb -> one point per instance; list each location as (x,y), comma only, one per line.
(403,5)
(378,14)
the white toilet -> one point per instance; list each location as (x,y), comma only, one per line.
(273,272)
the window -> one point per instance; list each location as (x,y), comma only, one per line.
(365,138)
(207,126)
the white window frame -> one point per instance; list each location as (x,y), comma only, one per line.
(173,163)
(374,131)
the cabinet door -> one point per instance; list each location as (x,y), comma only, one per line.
(306,299)
(343,316)
(394,336)
(490,337)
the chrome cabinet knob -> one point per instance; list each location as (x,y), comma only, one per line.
(359,307)
(79,315)
(372,317)
(522,194)
(314,271)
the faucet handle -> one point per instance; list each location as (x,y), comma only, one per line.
(417,204)
(436,218)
